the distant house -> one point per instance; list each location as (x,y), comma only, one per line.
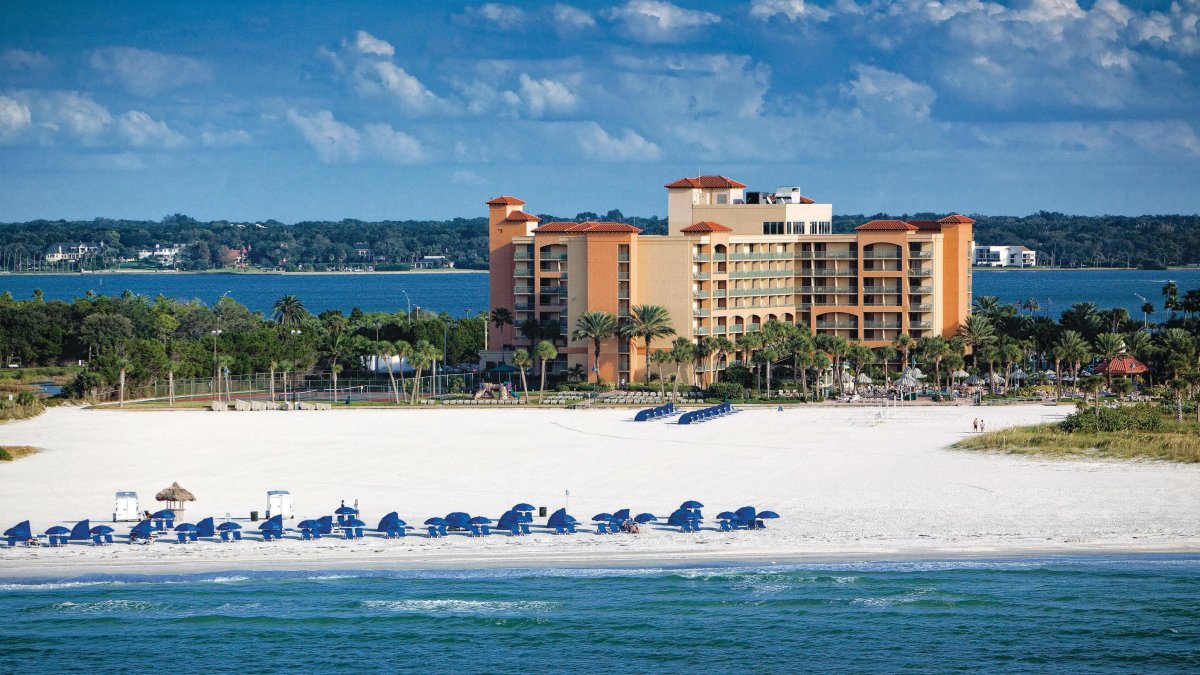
(1004,256)
(432,262)
(163,254)
(72,252)
(363,250)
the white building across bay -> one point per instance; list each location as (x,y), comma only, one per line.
(1004,256)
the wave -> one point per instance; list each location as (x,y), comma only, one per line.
(451,606)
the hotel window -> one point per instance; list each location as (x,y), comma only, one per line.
(722,198)
(772,227)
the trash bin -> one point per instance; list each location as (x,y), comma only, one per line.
(541,512)
(254,516)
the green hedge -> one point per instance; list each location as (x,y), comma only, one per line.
(1141,417)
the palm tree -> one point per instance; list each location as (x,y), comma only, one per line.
(986,304)
(273,365)
(597,327)
(648,322)
(1092,385)
(1147,310)
(837,347)
(173,365)
(903,344)
(934,349)
(885,356)
(1178,386)
(122,364)
(1192,380)
(501,317)
(1075,351)
(661,358)
(285,367)
(820,363)
(990,353)
(1170,291)
(224,364)
(289,311)
(977,331)
(682,351)
(383,351)
(335,346)
(1177,347)
(422,357)
(1010,353)
(523,361)
(1108,347)
(861,356)
(1031,305)
(721,347)
(544,351)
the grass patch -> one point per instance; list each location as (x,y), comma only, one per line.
(1175,442)
(12,452)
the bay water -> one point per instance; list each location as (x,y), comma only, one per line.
(1073,614)
(461,293)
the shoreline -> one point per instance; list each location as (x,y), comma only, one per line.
(20,571)
(232,273)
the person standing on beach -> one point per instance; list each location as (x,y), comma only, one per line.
(975,425)
(981,426)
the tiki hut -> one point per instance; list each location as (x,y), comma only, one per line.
(175,496)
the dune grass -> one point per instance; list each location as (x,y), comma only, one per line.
(13,452)
(1177,442)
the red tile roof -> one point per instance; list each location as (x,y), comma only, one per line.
(886,226)
(706,182)
(957,219)
(1122,365)
(589,227)
(704,227)
(505,201)
(926,225)
(521,217)
(805,200)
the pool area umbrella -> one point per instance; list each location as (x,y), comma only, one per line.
(995,378)
(643,518)
(913,372)
(908,382)
(175,497)
(1018,374)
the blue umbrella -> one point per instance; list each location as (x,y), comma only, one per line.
(480,520)
(185,527)
(458,519)
(57,531)
(508,519)
(643,518)
(746,514)
(272,523)
(767,514)
(623,514)
(354,522)
(691,504)
(326,523)
(102,529)
(143,529)
(559,517)
(346,511)
(602,517)
(228,527)
(205,528)
(522,507)
(388,522)
(726,515)
(81,531)
(165,514)
(21,530)
(437,522)
(310,525)
(679,517)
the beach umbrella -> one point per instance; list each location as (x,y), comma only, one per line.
(205,528)
(559,517)
(726,515)
(458,519)
(311,524)
(174,496)
(691,504)
(272,523)
(522,507)
(354,522)
(102,529)
(864,378)
(164,514)
(228,527)
(480,520)
(679,517)
(746,514)
(994,378)
(974,381)
(185,527)
(389,522)
(960,374)
(908,382)
(643,518)
(437,522)
(326,523)
(623,514)
(508,519)
(768,514)
(344,510)
(602,517)
(57,531)
(1019,374)
(81,531)
(143,529)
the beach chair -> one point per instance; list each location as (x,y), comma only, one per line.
(237,535)
(726,526)
(348,532)
(12,542)
(601,528)
(433,531)
(97,540)
(306,534)
(182,537)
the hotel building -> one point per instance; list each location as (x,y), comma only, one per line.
(731,261)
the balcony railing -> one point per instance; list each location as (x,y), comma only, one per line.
(920,290)
(892,305)
(701,331)
(700,312)
(701,276)
(830,290)
(522,289)
(924,307)
(836,324)
(622,276)
(523,306)
(552,290)
(776,290)
(622,257)
(882,255)
(826,255)
(718,330)
(921,255)
(920,272)
(920,324)
(834,304)
(622,295)
(746,274)
(718,257)
(882,324)
(522,255)
(702,295)
(770,255)
(718,293)
(875,290)
(827,273)
(700,258)
(523,272)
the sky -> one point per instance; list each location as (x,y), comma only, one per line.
(401,110)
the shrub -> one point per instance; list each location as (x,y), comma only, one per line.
(726,390)
(1142,417)
(739,375)
(4,456)
(26,398)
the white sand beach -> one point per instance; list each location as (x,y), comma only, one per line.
(861,483)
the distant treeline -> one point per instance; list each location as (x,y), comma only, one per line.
(1063,240)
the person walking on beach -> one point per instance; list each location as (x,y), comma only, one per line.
(981,426)
(975,425)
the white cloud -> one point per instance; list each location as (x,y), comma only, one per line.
(793,10)
(597,144)
(339,143)
(144,73)
(887,95)
(21,61)
(365,43)
(76,113)
(143,131)
(504,16)
(567,17)
(225,139)
(545,96)
(14,118)
(658,21)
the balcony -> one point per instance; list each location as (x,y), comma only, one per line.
(921,255)
(774,290)
(522,290)
(834,304)
(718,293)
(924,307)
(920,272)
(701,331)
(881,324)
(875,290)
(700,258)
(746,274)
(718,330)
(526,306)
(830,290)
(623,257)
(523,272)
(718,257)
(522,255)
(552,290)
(849,325)
(700,312)
(770,255)
(828,273)
(889,305)
(827,255)
(700,295)
(700,276)
(881,255)
(920,290)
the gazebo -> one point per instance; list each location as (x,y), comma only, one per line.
(1122,365)
(175,496)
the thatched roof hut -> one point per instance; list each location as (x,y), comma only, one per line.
(175,496)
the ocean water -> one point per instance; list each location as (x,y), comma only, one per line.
(1052,614)
(459,293)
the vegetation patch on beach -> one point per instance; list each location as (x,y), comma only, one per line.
(1131,432)
(24,405)
(11,452)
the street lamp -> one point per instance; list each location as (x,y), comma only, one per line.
(216,368)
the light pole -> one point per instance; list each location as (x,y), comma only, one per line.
(292,333)
(216,368)
(1145,315)
(409,300)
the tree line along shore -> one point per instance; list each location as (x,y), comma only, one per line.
(1149,241)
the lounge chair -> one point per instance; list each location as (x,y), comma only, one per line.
(182,537)
(601,528)
(306,534)
(433,531)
